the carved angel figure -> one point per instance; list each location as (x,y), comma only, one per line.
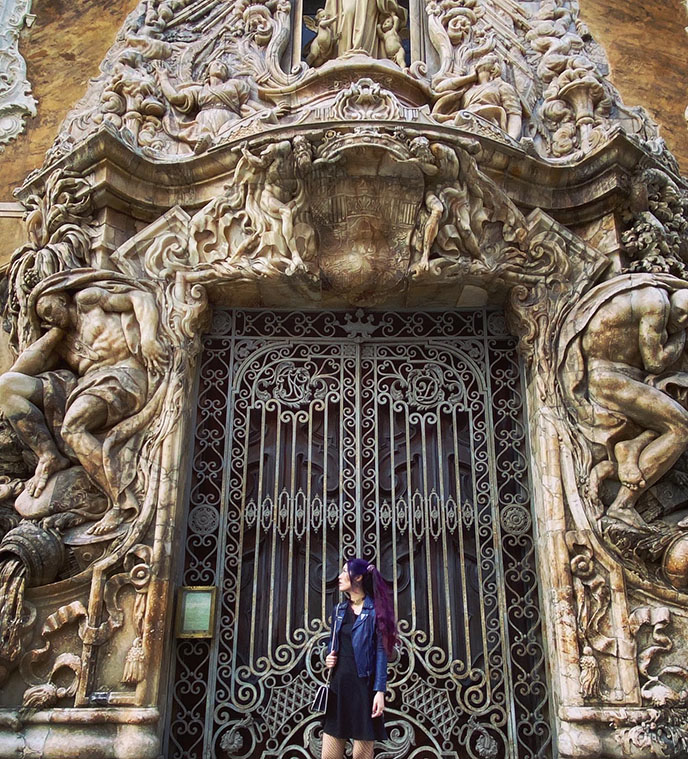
(623,373)
(388,32)
(217,102)
(356,27)
(77,395)
(321,48)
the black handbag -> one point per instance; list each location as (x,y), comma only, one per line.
(319,705)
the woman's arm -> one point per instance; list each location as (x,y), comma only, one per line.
(380,678)
(331,659)
(380,667)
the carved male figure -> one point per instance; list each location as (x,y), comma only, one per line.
(108,341)
(633,346)
(448,195)
(275,193)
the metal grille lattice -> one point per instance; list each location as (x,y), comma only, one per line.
(399,437)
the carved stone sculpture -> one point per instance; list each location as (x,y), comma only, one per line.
(215,103)
(461,204)
(16,101)
(623,374)
(484,93)
(365,26)
(259,225)
(107,340)
(348,179)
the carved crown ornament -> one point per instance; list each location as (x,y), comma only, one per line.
(240,154)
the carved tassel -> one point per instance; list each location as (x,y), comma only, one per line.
(589,674)
(134,670)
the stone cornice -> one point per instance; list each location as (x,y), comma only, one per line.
(146,186)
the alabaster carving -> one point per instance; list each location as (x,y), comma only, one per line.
(498,69)
(213,164)
(484,93)
(371,27)
(621,363)
(16,100)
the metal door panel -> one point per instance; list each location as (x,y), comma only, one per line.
(396,436)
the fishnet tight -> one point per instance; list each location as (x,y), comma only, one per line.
(333,748)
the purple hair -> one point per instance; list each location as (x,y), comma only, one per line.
(375,586)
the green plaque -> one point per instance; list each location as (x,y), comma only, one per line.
(196,612)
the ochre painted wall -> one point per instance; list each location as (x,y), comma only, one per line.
(63,50)
(647,46)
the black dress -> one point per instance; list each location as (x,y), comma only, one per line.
(350,702)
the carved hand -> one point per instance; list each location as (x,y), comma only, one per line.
(153,353)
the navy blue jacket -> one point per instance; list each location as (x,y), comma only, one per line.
(369,653)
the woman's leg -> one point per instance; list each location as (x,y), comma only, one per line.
(333,748)
(364,749)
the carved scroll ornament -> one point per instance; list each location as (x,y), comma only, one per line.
(16,101)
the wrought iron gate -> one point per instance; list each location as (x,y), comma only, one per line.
(396,436)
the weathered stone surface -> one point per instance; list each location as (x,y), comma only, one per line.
(206,167)
(646,44)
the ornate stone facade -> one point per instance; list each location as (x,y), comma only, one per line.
(16,101)
(219,162)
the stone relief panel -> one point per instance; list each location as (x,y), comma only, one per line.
(355,179)
(89,408)
(183,78)
(92,404)
(16,101)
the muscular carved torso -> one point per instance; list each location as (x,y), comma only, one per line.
(629,329)
(97,338)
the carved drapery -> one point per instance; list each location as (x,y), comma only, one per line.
(180,80)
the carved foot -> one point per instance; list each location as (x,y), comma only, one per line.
(602,471)
(683,523)
(47,465)
(202,145)
(295,267)
(628,515)
(109,523)
(633,486)
(627,454)
(421,267)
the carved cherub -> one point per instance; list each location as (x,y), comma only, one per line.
(388,32)
(322,47)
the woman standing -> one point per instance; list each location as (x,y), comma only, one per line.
(363,636)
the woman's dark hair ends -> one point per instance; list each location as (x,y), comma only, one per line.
(375,586)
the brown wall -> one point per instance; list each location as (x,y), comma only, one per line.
(63,50)
(645,41)
(647,44)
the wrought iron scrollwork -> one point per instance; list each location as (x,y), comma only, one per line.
(398,436)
